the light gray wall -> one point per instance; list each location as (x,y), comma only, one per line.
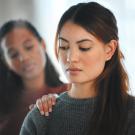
(17,9)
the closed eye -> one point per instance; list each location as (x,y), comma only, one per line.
(29,47)
(14,55)
(84,49)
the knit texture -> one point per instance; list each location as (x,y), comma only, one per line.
(70,116)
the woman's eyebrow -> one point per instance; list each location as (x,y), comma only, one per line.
(61,38)
(83,40)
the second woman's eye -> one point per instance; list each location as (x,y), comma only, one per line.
(14,55)
(30,47)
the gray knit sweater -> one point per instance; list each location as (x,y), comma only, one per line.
(69,117)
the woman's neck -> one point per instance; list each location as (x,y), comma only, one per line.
(84,90)
(34,84)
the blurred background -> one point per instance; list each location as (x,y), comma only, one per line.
(45,14)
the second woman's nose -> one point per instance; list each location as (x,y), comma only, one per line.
(23,56)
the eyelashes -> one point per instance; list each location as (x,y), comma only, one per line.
(29,47)
(64,48)
(85,49)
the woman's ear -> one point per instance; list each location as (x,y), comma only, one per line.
(43,44)
(110,49)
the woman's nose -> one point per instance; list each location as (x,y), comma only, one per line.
(23,56)
(72,56)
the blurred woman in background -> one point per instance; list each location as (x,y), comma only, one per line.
(26,73)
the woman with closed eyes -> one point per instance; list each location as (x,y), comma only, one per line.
(97,103)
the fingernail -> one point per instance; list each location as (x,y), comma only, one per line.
(42,113)
(46,114)
(50,109)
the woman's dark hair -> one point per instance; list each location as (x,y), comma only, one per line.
(112,85)
(10,83)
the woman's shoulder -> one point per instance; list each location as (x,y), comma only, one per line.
(35,116)
(34,122)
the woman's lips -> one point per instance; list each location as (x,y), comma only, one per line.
(28,67)
(73,71)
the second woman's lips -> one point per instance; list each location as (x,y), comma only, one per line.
(28,67)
